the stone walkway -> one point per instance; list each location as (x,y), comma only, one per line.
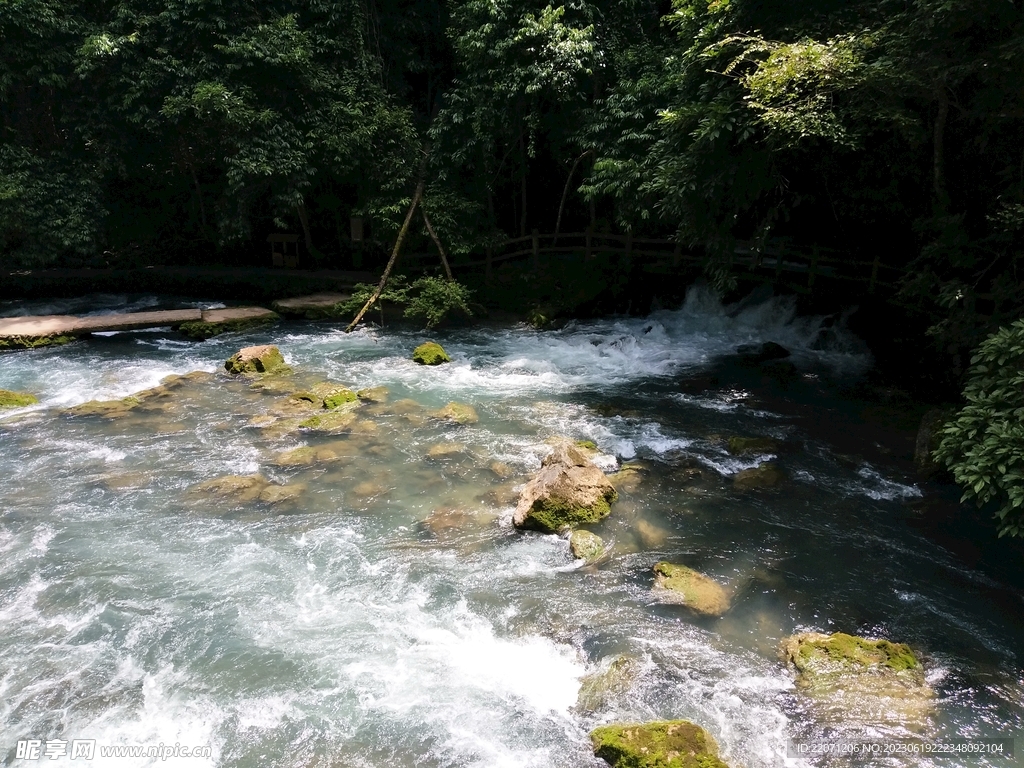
(22,332)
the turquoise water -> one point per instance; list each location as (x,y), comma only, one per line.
(339,628)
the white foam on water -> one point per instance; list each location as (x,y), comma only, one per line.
(882,489)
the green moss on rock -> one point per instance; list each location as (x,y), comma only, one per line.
(107,409)
(32,342)
(430,353)
(812,653)
(587,445)
(201,329)
(262,359)
(10,399)
(331,422)
(661,744)
(338,397)
(585,545)
(691,588)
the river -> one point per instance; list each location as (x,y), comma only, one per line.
(341,630)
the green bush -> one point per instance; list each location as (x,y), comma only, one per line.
(984,443)
(428,298)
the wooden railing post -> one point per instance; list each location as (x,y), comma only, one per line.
(590,236)
(536,250)
(874,273)
(814,266)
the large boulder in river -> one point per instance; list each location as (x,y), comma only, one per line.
(858,678)
(262,359)
(568,491)
(660,744)
(744,446)
(430,353)
(826,659)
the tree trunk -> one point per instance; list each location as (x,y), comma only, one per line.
(565,194)
(522,155)
(304,220)
(437,242)
(394,256)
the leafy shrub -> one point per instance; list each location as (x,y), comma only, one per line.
(428,298)
(984,443)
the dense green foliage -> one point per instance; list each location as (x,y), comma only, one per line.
(430,299)
(984,443)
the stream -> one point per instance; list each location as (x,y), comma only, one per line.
(390,615)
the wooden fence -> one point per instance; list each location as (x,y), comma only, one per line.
(774,262)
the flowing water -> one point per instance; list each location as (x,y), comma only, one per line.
(389,615)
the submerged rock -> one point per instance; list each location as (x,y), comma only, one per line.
(660,744)
(650,535)
(611,680)
(445,451)
(460,413)
(742,446)
(373,394)
(430,353)
(568,491)
(447,521)
(585,545)
(305,455)
(628,478)
(9,399)
(679,584)
(330,422)
(281,494)
(764,475)
(236,487)
(107,409)
(262,359)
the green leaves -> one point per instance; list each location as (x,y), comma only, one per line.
(984,443)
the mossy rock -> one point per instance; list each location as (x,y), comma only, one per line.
(743,446)
(814,654)
(764,475)
(305,455)
(373,394)
(256,360)
(702,595)
(332,422)
(613,679)
(567,492)
(460,413)
(586,445)
(338,397)
(241,488)
(661,744)
(201,329)
(430,353)
(281,494)
(107,409)
(586,546)
(33,342)
(10,399)
(628,478)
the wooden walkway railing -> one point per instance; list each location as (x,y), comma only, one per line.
(776,261)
